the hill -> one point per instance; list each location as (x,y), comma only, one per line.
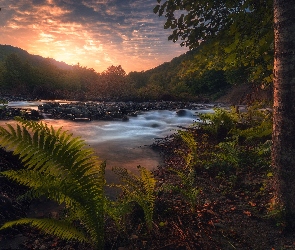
(6,50)
(39,77)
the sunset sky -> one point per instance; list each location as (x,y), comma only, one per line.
(94,33)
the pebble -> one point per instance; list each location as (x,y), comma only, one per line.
(87,111)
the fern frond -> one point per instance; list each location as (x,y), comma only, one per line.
(148,180)
(117,210)
(190,155)
(60,167)
(127,178)
(139,189)
(44,149)
(58,228)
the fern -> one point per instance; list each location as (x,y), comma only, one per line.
(117,211)
(139,189)
(63,169)
(230,153)
(189,156)
(188,190)
(221,122)
(59,228)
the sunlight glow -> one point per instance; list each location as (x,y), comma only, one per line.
(95,33)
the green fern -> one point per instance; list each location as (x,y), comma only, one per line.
(59,228)
(117,211)
(220,122)
(188,190)
(62,168)
(139,189)
(189,156)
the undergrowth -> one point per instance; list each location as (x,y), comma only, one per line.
(228,146)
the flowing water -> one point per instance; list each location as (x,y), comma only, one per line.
(126,143)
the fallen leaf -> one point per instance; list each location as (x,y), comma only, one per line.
(248,213)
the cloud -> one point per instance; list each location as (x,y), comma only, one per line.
(95,33)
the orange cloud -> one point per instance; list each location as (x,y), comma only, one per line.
(95,33)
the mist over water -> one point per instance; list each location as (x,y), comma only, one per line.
(125,143)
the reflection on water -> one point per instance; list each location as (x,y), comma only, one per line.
(31,104)
(124,143)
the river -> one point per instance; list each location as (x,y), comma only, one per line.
(125,144)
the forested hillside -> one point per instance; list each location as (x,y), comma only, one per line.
(32,76)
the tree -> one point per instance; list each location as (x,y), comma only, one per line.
(229,34)
(240,33)
(115,83)
(283,152)
(14,74)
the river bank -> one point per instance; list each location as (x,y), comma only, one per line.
(229,214)
(90,111)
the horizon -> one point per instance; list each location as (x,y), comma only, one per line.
(94,33)
(80,63)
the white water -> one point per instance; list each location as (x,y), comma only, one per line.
(124,143)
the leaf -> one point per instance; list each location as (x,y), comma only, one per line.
(56,227)
(167,24)
(61,168)
(269,174)
(231,58)
(156,9)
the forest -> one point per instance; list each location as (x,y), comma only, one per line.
(30,76)
(225,183)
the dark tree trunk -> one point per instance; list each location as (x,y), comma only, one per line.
(283,153)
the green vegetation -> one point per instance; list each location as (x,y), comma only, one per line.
(22,74)
(139,189)
(59,167)
(227,148)
(237,40)
(187,189)
(231,42)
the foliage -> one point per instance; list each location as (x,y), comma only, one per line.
(210,82)
(117,210)
(192,144)
(59,167)
(221,122)
(227,144)
(187,188)
(197,153)
(61,229)
(114,84)
(255,123)
(139,189)
(37,77)
(241,35)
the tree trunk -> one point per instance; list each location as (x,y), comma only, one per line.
(283,152)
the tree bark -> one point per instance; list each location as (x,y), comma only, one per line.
(283,152)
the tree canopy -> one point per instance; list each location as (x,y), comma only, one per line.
(229,34)
(36,77)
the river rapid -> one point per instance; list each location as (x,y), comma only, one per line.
(125,143)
